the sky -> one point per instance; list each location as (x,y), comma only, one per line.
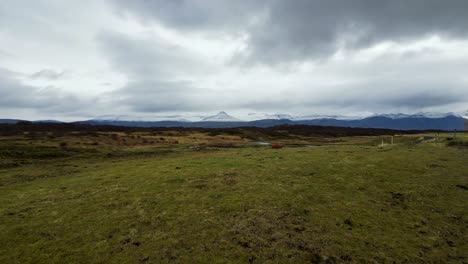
(74,60)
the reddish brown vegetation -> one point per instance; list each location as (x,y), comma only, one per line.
(276,146)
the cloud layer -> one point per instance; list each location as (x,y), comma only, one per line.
(200,56)
(284,30)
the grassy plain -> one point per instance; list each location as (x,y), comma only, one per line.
(173,197)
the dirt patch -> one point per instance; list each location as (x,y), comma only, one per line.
(398,200)
(259,230)
(230,178)
(436,166)
(199,184)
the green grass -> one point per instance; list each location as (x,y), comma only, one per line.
(337,203)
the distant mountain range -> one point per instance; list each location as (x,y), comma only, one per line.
(420,121)
(14,121)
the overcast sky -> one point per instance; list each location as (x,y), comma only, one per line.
(72,60)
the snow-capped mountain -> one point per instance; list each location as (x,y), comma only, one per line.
(337,117)
(224,117)
(417,115)
(392,116)
(220,117)
(263,116)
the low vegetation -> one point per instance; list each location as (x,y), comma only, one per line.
(122,195)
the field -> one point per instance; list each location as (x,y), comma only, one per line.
(196,196)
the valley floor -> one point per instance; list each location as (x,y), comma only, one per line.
(192,199)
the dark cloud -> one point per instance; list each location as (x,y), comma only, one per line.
(408,94)
(302,29)
(284,30)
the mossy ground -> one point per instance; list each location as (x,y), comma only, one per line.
(168,200)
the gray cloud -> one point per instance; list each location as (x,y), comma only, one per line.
(285,31)
(408,94)
(15,94)
(48,74)
(196,15)
(143,58)
(157,73)
(4,54)
(160,96)
(159,80)
(379,94)
(302,29)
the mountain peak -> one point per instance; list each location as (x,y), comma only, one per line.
(221,117)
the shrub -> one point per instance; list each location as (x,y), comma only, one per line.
(458,143)
(276,146)
(63,145)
